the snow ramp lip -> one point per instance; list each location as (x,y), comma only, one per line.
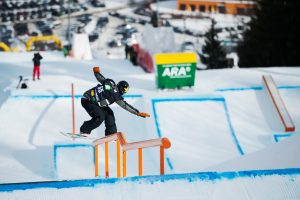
(190,177)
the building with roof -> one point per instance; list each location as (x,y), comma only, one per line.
(233,7)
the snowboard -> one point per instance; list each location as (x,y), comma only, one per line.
(76,135)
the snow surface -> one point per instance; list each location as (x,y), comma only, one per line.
(224,123)
(227,140)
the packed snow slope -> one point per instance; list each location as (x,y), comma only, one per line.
(225,123)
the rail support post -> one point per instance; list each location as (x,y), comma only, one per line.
(162,160)
(118,159)
(140,161)
(96,161)
(124,163)
(106,160)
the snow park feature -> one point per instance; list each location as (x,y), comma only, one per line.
(224,139)
(93,151)
(163,143)
(278,103)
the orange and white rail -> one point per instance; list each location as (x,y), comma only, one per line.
(162,143)
(278,103)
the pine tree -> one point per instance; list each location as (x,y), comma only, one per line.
(273,37)
(213,55)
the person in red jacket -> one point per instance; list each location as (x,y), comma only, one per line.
(96,102)
(36,65)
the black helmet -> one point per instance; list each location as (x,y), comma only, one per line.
(123,87)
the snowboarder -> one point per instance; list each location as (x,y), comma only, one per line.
(96,102)
(36,63)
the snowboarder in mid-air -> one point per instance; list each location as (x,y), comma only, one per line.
(96,102)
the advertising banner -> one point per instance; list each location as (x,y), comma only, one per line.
(175,70)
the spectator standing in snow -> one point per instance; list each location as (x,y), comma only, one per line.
(36,65)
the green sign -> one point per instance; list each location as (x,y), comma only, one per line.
(175,70)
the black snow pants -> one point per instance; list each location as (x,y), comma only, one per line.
(98,114)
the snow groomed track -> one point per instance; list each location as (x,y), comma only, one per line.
(282,184)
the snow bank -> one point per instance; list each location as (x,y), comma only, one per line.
(246,185)
(278,155)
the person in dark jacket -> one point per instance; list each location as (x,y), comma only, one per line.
(36,65)
(96,102)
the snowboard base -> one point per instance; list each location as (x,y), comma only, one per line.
(76,135)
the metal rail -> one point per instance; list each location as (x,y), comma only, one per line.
(163,143)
